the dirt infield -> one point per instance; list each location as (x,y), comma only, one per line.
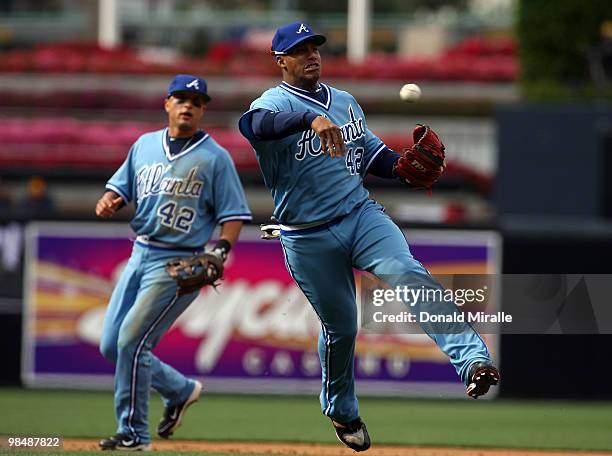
(304,449)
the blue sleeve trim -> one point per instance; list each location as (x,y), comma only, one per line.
(227,218)
(374,155)
(112,188)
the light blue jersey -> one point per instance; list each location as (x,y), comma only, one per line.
(180,198)
(340,229)
(306,184)
(329,226)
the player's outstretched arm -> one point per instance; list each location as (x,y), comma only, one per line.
(108,204)
(330,134)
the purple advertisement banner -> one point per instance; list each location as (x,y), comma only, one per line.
(257,333)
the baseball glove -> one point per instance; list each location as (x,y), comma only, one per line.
(421,165)
(195,272)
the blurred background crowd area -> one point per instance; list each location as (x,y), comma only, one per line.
(81,80)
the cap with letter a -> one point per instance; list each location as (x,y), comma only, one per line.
(189,83)
(290,35)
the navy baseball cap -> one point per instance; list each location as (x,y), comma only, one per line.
(189,83)
(290,35)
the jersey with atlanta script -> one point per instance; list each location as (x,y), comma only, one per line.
(180,198)
(306,184)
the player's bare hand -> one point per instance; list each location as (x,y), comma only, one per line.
(330,135)
(108,205)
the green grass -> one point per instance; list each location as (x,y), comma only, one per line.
(501,423)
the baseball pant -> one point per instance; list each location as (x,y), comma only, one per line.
(321,261)
(142,308)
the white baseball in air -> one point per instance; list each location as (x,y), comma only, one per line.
(410,92)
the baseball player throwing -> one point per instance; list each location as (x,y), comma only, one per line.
(314,149)
(183,184)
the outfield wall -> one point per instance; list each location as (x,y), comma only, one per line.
(540,366)
(256,335)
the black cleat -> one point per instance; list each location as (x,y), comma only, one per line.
(109,443)
(354,434)
(173,415)
(123,442)
(481,377)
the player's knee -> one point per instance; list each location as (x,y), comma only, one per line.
(128,343)
(345,334)
(130,335)
(399,265)
(125,343)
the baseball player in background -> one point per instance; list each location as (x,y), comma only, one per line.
(314,149)
(183,184)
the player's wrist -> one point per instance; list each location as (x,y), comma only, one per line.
(403,179)
(222,249)
(394,167)
(394,170)
(308,119)
(316,121)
